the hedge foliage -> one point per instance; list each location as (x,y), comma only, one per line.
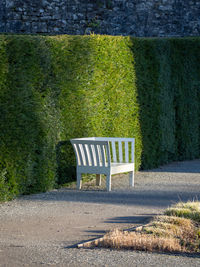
(168,88)
(53,88)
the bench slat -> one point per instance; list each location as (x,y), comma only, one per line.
(83,154)
(120,152)
(97,155)
(91,152)
(114,152)
(76,154)
(80,154)
(86,156)
(102,152)
(126,152)
(132,151)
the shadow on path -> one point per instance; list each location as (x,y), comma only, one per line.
(151,198)
(140,219)
(191,166)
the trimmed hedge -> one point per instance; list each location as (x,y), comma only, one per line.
(53,88)
(168,87)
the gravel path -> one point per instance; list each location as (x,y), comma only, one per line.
(44,229)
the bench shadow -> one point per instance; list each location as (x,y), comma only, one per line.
(134,221)
(140,219)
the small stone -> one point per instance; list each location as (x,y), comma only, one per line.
(56,17)
(115,9)
(10,4)
(64,22)
(157,15)
(130,5)
(25,17)
(75,17)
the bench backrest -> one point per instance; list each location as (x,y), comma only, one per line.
(121,149)
(101,151)
(91,153)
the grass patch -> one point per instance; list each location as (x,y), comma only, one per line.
(178,230)
(190,210)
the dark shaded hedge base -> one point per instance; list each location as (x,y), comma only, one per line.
(56,88)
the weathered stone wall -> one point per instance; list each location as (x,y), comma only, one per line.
(2,16)
(115,17)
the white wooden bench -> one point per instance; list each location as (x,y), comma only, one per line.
(104,155)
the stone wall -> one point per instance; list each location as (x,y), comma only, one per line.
(114,17)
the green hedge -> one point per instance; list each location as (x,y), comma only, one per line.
(53,88)
(168,87)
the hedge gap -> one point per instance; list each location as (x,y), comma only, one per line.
(53,88)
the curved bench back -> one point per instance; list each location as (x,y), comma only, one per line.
(91,152)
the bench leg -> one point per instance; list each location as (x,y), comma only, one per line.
(108,182)
(98,179)
(131,179)
(79,181)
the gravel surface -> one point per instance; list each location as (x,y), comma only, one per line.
(44,229)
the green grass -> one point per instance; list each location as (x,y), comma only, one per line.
(190,210)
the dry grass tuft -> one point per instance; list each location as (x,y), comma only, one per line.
(176,231)
(182,230)
(139,241)
(170,226)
